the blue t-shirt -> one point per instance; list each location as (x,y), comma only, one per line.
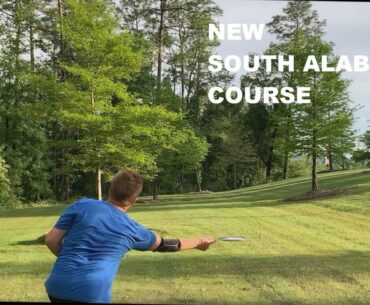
(98,236)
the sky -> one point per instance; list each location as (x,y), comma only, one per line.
(348,27)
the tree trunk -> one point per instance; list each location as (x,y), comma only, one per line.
(330,154)
(314,187)
(182,65)
(155,188)
(269,161)
(60,16)
(234,172)
(17,38)
(160,44)
(181,186)
(330,157)
(268,170)
(343,163)
(32,48)
(98,183)
(92,99)
(159,74)
(199,180)
(64,186)
(285,168)
(63,134)
(181,179)
(55,58)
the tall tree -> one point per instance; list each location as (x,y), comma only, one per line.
(298,21)
(328,117)
(189,52)
(259,121)
(23,137)
(178,31)
(322,123)
(110,128)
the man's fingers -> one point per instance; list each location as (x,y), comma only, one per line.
(206,241)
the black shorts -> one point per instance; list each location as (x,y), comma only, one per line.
(57,300)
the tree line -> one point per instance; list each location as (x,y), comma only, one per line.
(89,87)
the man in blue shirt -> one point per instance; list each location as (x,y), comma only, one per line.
(91,237)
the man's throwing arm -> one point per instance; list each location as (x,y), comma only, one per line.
(174,245)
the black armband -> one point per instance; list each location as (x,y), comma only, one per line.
(169,245)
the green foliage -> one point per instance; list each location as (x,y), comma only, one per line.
(179,166)
(23,135)
(298,167)
(363,155)
(92,86)
(301,167)
(232,160)
(6,197)
(365,139)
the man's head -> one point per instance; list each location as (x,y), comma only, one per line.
(125,187)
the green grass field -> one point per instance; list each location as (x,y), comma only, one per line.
(313,252)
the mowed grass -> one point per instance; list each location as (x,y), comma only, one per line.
(313,252)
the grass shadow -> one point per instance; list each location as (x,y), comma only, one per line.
(337,266)
(338,269)
(38,241)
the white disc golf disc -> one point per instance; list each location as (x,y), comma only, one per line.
(232,238)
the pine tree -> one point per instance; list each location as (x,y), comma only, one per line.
(323,122)
(314,129)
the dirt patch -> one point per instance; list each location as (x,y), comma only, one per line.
(144,201)
(318,194)
(325,171)
(200,193)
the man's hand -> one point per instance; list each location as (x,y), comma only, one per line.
(205,242)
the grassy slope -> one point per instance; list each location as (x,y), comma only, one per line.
(297,253)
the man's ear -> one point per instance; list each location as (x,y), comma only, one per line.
(132,201)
